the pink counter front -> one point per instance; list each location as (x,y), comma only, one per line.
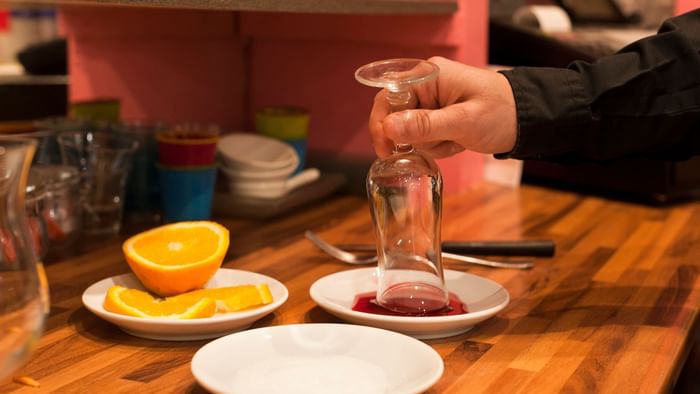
(220,66)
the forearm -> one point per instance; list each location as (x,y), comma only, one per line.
(643,101)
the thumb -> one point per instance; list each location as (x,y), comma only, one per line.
(423,125)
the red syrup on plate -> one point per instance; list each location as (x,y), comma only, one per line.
(366,302)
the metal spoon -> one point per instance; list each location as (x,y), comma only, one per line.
(351,258)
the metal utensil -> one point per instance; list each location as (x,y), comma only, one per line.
(525,247)
(339,254)
(352,258)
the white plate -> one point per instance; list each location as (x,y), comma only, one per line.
(317,358)
(484,298)
(186,330)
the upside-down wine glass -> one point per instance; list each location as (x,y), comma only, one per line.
(405,194)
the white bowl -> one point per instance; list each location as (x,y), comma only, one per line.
(235,174)
(254,152)
(269,189)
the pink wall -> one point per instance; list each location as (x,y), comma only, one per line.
(686,5)
(164,65)
(177,65)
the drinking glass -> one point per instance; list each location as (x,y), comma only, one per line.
(142,189)
(23,290)
(104,160)
(46,135)
(405,192)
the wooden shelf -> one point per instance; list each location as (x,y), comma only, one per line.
(425,7)
(33,80)
(13,74)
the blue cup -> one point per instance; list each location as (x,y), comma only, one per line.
(300,147)
(289,124)
(142,188)
(186,192)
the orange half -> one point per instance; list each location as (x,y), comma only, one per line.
(176,258)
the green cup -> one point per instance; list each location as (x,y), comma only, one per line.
(289,124)
(106,110)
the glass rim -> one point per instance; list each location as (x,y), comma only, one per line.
(19,140)
(383,83)
(64,138)
(164,137)
(38,133)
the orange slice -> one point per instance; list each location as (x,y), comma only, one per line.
(139,303)
(231,299)
(178,257)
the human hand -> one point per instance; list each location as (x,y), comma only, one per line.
(464,108)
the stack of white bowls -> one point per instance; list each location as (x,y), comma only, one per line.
(260,167)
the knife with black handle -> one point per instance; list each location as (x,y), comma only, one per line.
(536,248)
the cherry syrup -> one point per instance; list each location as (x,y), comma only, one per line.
(367,303)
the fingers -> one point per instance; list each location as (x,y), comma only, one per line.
(422,125)
(465,108)
(380,109)
(441,149)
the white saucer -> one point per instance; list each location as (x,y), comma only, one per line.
(484,298)
(186,330)
(317,358)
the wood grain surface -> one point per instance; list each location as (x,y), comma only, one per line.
(614,310)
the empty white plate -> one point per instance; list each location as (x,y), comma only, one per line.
(336,293)
(317,358)
(192,329)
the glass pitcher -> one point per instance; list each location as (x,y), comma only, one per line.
(23,289)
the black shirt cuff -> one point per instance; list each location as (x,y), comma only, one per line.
(553,112)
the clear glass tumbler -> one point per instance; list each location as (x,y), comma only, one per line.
(23,289)
(405,194)
(104,160)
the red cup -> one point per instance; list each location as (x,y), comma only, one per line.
(187,149)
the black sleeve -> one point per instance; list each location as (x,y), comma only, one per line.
(643,101)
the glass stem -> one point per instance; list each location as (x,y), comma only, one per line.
(399,100)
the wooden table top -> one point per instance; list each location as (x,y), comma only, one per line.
(613,311)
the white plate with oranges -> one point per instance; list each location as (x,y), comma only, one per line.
(178,291)
(171,329)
